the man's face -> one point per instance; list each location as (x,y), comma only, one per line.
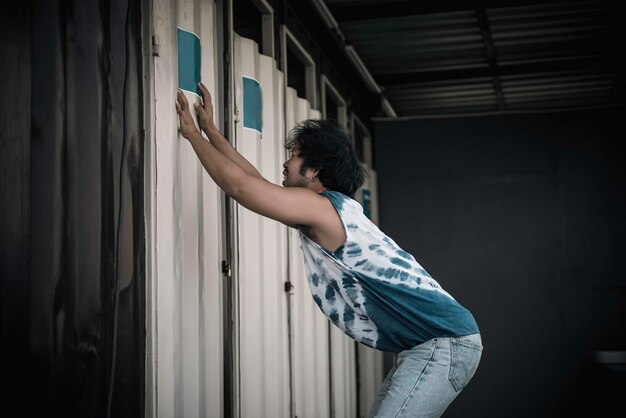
(291,173)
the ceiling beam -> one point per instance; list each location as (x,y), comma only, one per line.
(492,59)
(360,10)
(597,63)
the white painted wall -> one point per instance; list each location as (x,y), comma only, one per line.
(262,253)
(184,235)
(310,339)
(342,348)
(371,377)
(276,332)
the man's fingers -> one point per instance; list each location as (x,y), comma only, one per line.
(178,110)
(178,99)
(182,100)
(200,111)
(206,96)
(204,90)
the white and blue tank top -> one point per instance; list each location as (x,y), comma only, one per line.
(374,291)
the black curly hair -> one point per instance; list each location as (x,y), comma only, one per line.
(324,145)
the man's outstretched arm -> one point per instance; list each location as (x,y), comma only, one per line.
(224,171)
(289,205)
(205,118)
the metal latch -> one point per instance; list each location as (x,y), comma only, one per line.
(155,45)
(288,286)
(236,114)
(226,270)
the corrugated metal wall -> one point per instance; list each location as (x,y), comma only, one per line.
(309,326)
(369,362)
(459,57)
(274,376)
(343,374)
(102,193)
(263,341)
(184,237)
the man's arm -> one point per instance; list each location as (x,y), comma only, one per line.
(222,145)
(289,205)
(205,118)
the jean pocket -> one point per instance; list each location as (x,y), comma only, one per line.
(464,359)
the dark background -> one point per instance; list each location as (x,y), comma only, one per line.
(521,218)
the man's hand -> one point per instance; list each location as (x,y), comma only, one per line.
(205,111)
(187,126)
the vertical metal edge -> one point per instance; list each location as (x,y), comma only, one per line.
(282,64)
(229,220)
(331,396)
(277,58)
(150,400)
(357,363)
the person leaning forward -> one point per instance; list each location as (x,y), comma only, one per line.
(360,278)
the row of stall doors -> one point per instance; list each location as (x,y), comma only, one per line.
(275,350)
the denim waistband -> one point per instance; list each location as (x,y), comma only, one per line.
(471,339)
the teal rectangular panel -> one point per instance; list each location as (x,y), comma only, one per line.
(188,61)
(252,104)
(366,203)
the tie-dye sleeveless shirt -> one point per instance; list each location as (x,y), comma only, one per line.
(374,291)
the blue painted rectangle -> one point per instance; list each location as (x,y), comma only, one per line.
(188,61)
(252,104)
(365,193)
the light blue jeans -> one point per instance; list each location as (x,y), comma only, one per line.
(425,379)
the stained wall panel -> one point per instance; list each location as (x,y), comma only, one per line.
(310,340)
(343,373)
(263,312)
(370,377)
(184,347)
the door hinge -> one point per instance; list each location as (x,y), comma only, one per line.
(226,270)
(236,114)
(288,286)
(155,45)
